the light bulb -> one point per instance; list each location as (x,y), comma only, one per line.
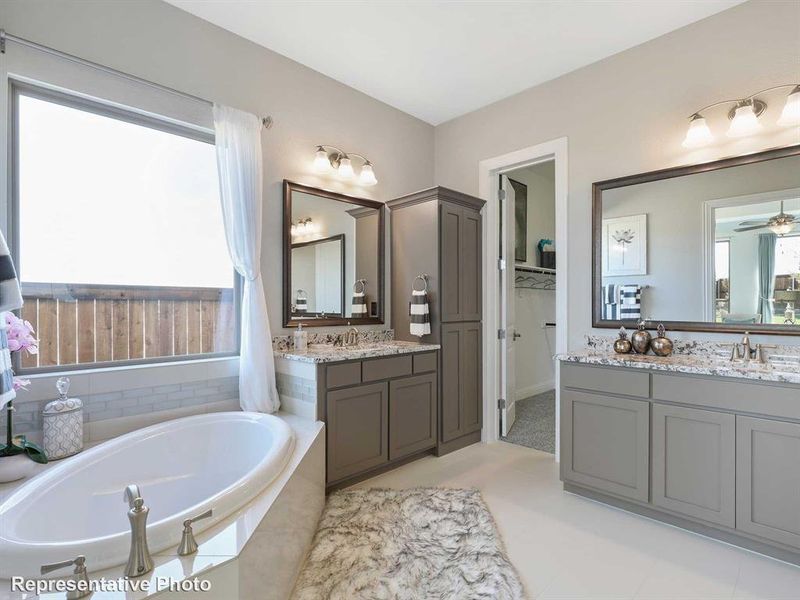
(745,122)
(698,133)
(345,168)
(791,112)
(367,176)
(321,162)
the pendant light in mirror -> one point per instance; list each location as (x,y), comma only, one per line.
(745,115)
(330,159)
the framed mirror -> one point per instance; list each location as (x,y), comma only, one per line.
(333,258)
(708,247)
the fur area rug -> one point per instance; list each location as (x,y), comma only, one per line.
(412,544)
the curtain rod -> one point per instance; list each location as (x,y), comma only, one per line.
(5,36)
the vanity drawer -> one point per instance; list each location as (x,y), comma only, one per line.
(602,379)
(741,396)
(424,363)
(386,368)
(342,375)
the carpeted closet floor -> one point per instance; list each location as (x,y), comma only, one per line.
(535,426)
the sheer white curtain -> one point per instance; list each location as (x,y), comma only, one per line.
(238,142)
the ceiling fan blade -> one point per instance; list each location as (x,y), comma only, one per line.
(746,223)
(751,228)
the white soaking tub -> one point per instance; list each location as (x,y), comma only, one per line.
(182,467)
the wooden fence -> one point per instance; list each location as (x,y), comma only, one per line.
(85,324)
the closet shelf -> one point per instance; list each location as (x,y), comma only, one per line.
(534,278)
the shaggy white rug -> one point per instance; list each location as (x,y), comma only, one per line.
(407,545)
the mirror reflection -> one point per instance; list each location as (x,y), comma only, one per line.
(334,266)
(717,247)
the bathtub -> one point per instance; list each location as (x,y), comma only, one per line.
(182,468)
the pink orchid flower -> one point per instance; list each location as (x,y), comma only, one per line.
(20,335)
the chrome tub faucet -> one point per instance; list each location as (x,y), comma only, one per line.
(139,559)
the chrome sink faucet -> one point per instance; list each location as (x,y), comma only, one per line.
(139,559)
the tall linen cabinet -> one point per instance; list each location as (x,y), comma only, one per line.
(438,232)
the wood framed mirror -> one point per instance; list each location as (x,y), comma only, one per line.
(333,258)
(708,247)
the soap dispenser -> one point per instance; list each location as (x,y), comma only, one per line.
(300,339)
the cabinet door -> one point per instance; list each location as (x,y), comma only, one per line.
(412,415)
(471,378)
(606,443)
(694,463)
(768,479)
(358,427)
(462,380)
(450,218)
(470,266)
(450,373)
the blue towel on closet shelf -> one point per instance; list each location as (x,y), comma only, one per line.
(10,299)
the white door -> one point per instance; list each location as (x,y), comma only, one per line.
(507,358)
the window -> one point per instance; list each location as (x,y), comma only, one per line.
(119,236)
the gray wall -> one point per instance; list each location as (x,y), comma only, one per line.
(628,114)
(161,43)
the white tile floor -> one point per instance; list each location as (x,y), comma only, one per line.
(567,547)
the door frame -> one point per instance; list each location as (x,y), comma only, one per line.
(489,171)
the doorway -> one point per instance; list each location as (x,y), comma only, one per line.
(527,202)
(500,278)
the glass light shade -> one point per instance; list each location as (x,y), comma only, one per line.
(367,176)
(346,168)
(791,111)
(782,229)
(321,162)
(745,122)
(698,133)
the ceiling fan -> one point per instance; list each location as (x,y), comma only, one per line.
(780,224)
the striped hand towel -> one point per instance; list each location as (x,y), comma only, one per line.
(7,393)
(611,301)
(301,302)
(10,299)
(420,313)
(359,305)
(630,302)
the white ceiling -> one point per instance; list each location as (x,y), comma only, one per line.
(438,60)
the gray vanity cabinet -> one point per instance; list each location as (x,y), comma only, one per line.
(437,232)
(606,443)
(768,479)
(412,415)
(461,351)
(357,421)
(693,466)
(379,412)
(716,455)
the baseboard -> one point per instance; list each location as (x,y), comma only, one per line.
(533,390)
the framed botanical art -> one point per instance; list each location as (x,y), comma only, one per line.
(625,246)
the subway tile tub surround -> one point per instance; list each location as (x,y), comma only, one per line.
(691,439)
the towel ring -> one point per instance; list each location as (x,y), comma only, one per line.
(304,295)
(424,279)
(363,283)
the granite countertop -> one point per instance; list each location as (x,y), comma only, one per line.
(782,369)
(328,353)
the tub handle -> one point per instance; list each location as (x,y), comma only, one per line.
(188,544)
(79,575)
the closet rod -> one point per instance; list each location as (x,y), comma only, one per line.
(7,37)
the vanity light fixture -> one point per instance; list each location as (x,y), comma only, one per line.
(744,116)
(329,159)
(303,227)
(791,111)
